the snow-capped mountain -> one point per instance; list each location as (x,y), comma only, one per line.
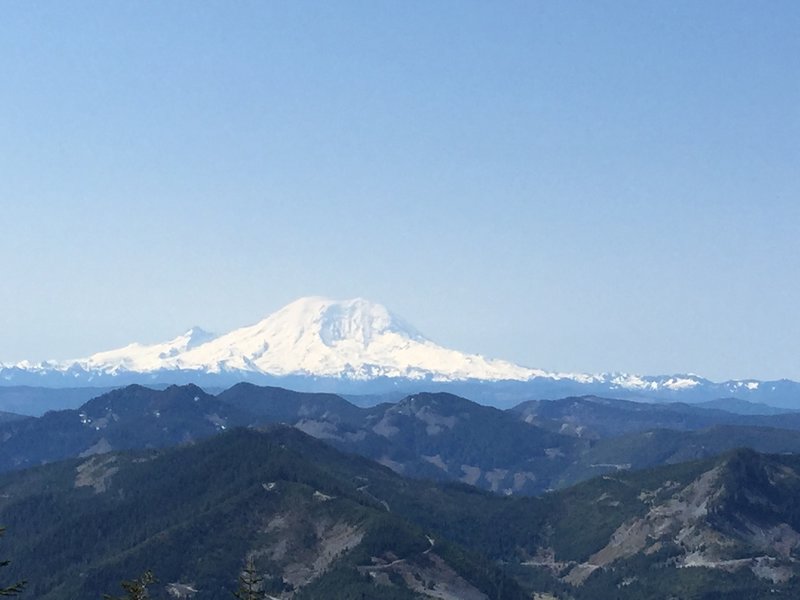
(354,339)
(350,343)
(138,357)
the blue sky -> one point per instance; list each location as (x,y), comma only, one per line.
(574,186)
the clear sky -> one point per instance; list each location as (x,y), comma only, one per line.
(582,186)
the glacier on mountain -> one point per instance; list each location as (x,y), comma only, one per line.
(318,339)
(355,339)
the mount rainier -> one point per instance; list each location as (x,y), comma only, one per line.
(353,339)
(360,347)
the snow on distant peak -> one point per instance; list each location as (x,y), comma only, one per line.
(748,384)
(352,339)
(140,357)
(361,321)
(196,336)
(649,383)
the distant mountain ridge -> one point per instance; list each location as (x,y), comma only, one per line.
(358,346)
(530,449)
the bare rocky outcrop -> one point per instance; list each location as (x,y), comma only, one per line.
(96,472)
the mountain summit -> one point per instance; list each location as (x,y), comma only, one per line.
(354,339)
(360,346)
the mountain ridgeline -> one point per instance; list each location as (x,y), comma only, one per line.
(318,523)
(532,448)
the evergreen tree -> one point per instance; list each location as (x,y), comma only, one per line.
(249,583)
(136,589)
(16,588)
